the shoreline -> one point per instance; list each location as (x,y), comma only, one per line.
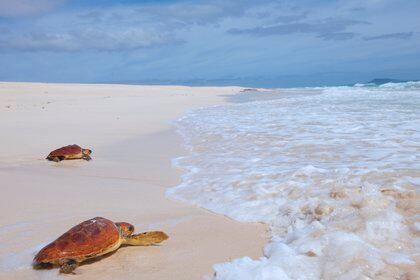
(42,200)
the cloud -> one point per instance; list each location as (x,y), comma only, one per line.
(122,40)
(176,13)
(339,36)
(118,27)
(329,29)
(400,35)
(17,8)
(290,18)
(188,13)
(200,12)
(146,24)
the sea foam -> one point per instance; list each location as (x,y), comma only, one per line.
(334,174)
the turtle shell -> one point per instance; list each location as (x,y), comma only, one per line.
(67,150)
(87,239)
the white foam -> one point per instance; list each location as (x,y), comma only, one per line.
(335,175)
(406,85)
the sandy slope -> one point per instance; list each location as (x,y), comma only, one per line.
(129,130)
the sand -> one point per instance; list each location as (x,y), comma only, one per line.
(133,141)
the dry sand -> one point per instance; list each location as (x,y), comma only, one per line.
(129,130)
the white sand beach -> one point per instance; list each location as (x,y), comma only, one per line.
(129,130)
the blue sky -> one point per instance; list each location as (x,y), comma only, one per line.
(244,42)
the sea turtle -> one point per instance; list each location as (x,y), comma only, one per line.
(69,152)
(90,239)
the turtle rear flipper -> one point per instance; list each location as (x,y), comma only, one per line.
(146,238)
(56,158)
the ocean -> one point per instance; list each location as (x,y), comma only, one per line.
(334,172)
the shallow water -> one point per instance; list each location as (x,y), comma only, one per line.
(336,175)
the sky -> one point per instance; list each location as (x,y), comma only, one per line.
(261,43)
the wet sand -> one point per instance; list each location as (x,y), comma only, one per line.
(129,130)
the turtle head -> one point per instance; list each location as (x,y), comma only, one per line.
(86,151)
(126,229)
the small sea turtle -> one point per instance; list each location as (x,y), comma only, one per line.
(69,152)
(90,239)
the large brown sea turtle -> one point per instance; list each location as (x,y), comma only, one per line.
(69,152)
(90,239)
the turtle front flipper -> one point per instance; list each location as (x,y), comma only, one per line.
(86,157)
(86,154)
(146,238)
(67,266)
